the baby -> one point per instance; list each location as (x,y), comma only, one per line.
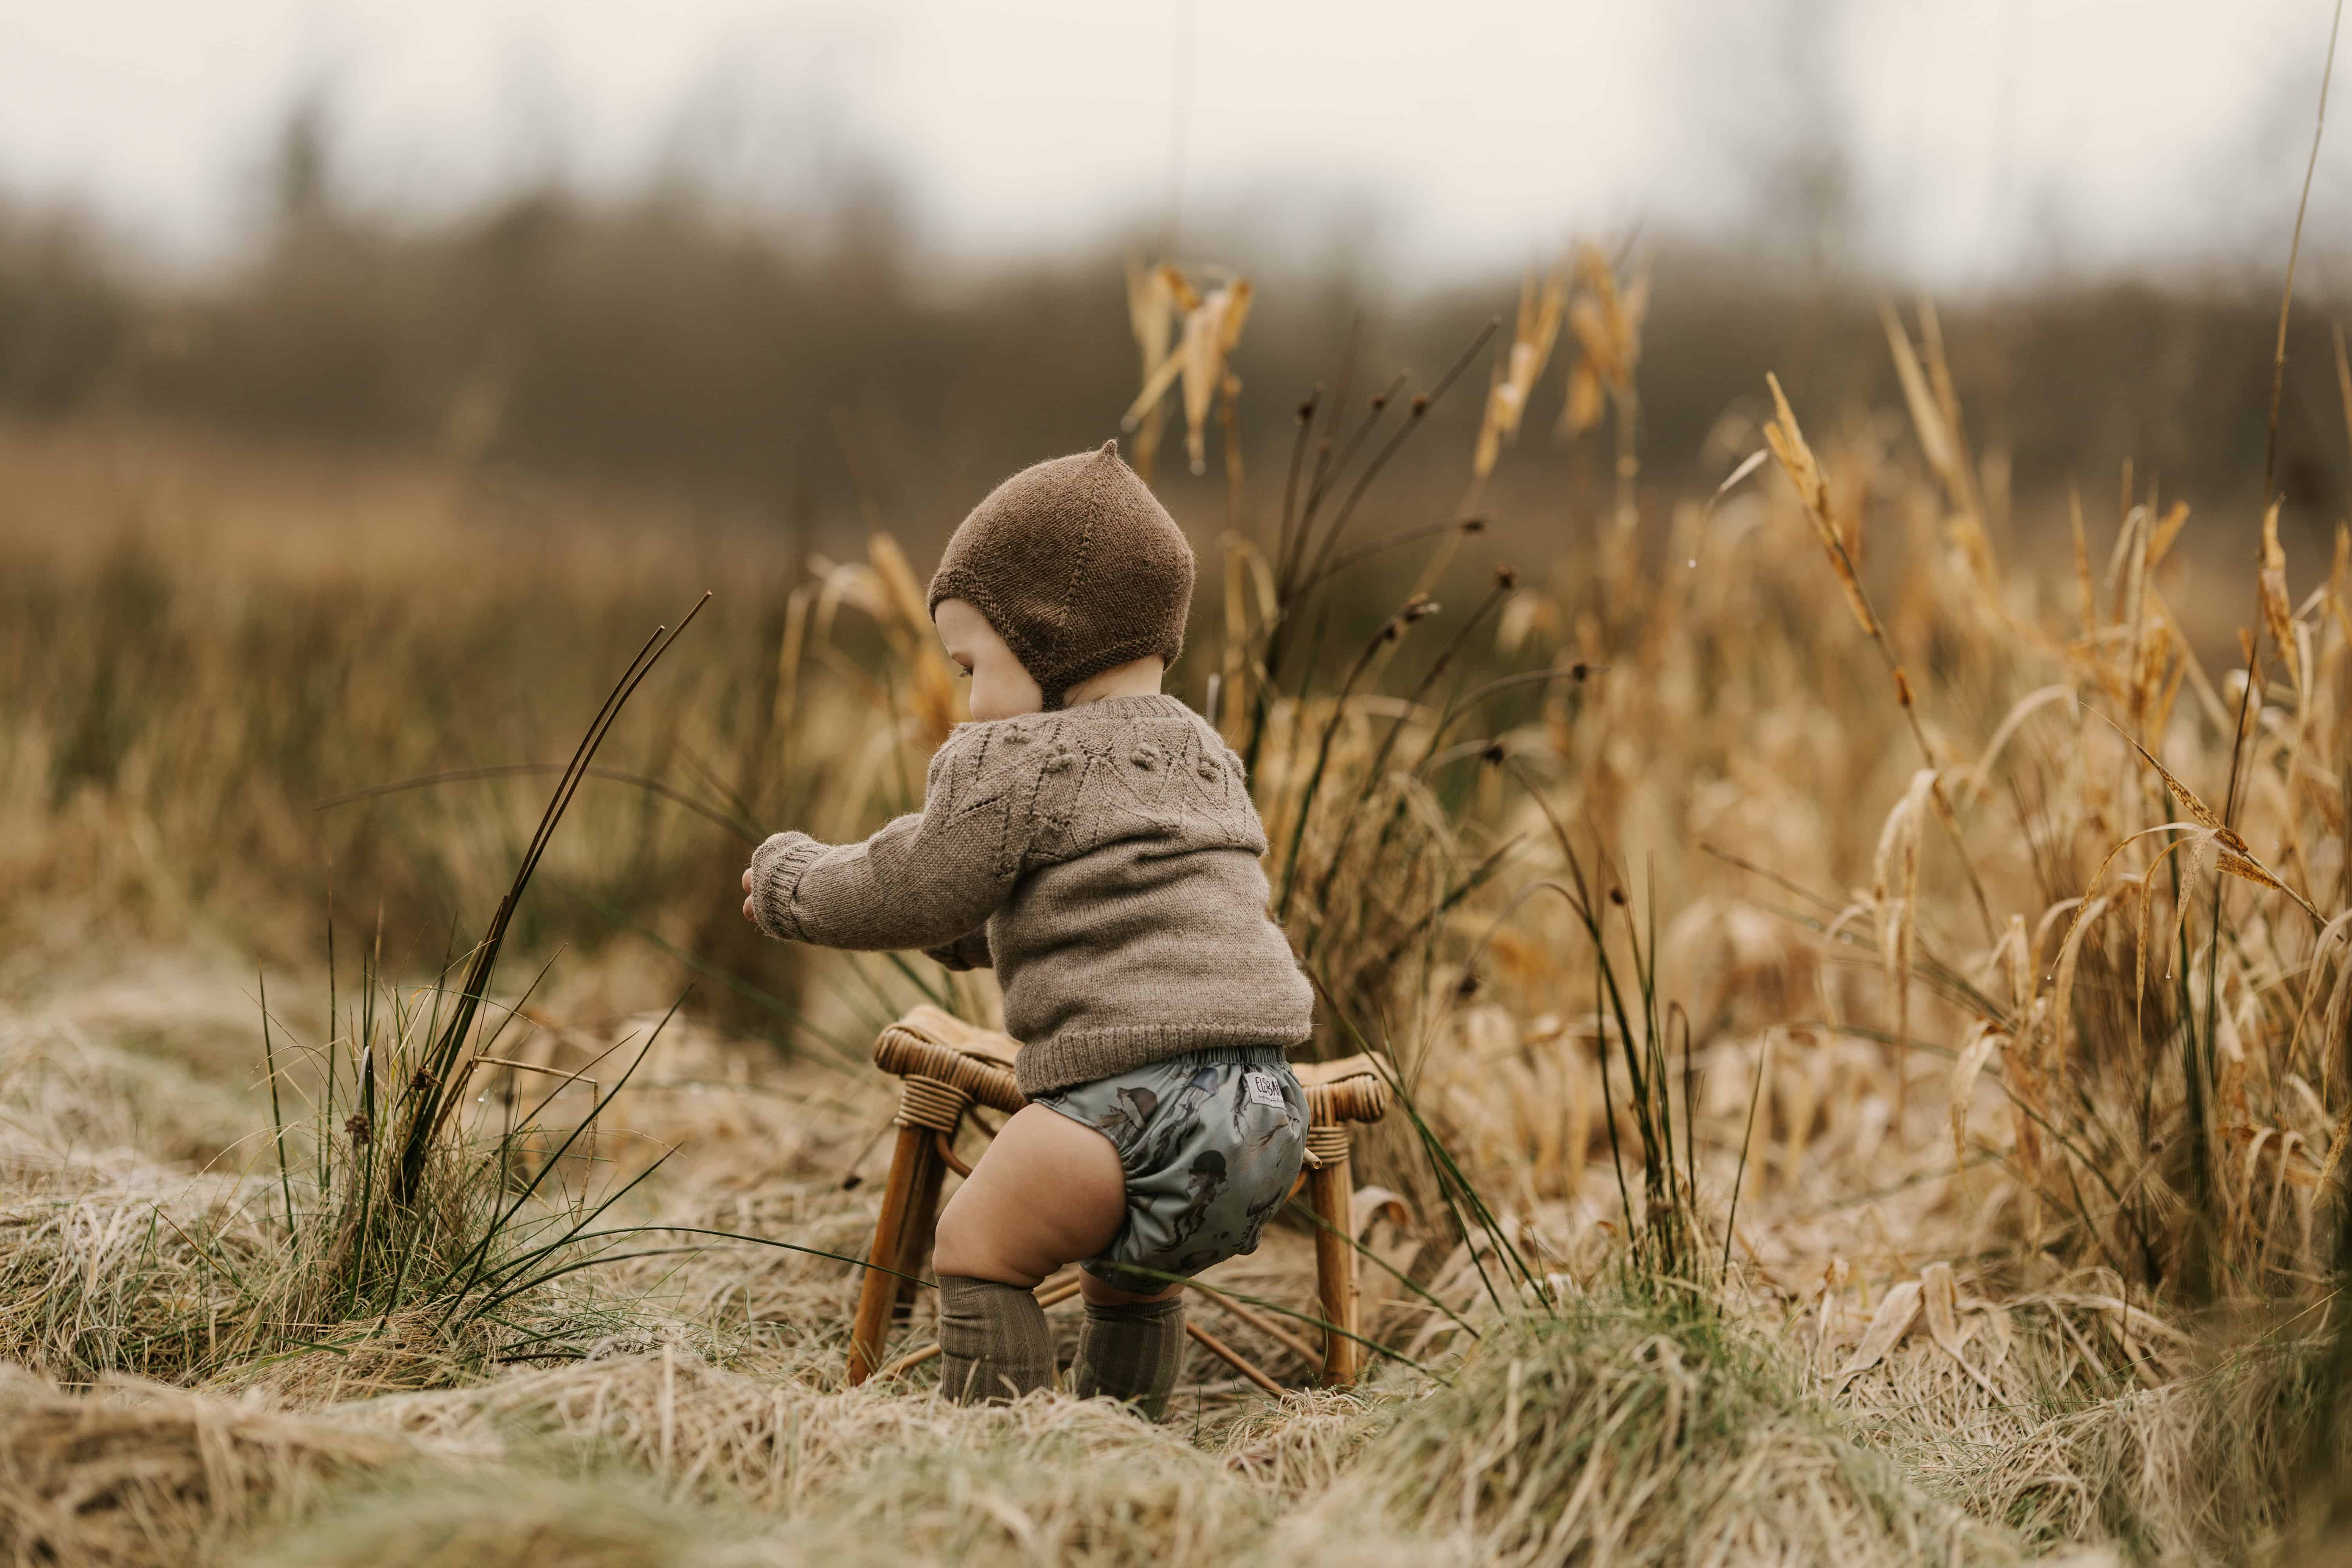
(1092,839)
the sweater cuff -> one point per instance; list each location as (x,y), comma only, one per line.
(776,868)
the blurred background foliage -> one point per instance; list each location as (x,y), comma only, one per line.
(812,364)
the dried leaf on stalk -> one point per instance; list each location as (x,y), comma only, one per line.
(898,578)
(2276,614)
(1632,306)
(1797,460)
(1211,330)
(1606,323)
(1939,1301)
(1151,317)
(2339,998)
(2235,856)
(1985,1039)
(1589,323)
(1213,327)
(1585,401)
(1834,1275)
(2014,951)
(2251,871)
(2204,815)
(1897,1310)
(2336,1144)
(1378,1202)
(1895,892)
(2199,850)
(1518,367)
(1926,418)
(1940,368)
(1155,387)
(1150,307)
(2162,533)
(1895,869)
(1980,777)
(2070,953)
(2083,587)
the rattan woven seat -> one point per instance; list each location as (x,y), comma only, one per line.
(946,1065)
(929,1043)
(1350,1090)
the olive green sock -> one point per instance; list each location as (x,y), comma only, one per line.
(994,1341)
(1131,1351)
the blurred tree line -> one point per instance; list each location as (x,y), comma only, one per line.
(818,364)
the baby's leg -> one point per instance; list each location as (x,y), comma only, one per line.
(1047,1192)
(1131,1346)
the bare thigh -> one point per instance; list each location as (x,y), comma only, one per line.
(1046,1192)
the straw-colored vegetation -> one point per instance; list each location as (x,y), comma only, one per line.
(1870,999)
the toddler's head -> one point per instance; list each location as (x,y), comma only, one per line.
(1067,570)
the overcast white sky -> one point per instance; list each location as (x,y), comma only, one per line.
(1987,135)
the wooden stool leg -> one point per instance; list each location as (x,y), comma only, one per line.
(1330,1190)
(921,1230)
(900,1230)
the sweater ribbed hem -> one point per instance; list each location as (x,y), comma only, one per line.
(1045,1066)
(1145,705)
(776,868)
(1148,705)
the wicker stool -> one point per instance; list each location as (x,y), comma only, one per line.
(946,1065)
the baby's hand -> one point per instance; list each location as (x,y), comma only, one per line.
(747,897)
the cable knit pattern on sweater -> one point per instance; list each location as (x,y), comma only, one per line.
(1103,858)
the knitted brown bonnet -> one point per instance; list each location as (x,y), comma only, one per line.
(1077,566)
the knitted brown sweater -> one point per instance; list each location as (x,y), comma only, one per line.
(1104,858)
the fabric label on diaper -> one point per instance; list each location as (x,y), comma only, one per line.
(1263,1089)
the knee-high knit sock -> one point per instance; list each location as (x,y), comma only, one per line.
(1130,1352)
(993,1341)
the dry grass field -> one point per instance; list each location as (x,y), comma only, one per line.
(1869,992)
